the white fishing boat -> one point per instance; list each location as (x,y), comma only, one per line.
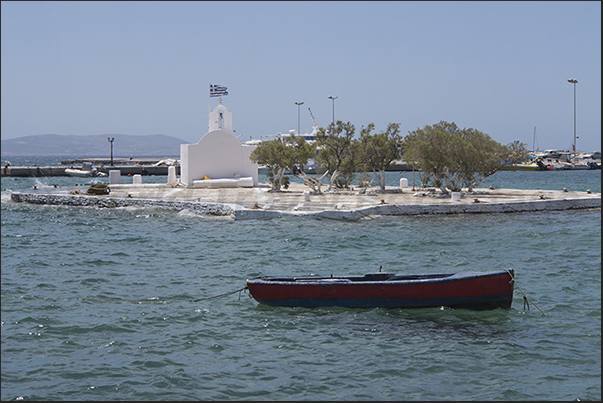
(86,170)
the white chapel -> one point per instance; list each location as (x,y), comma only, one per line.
(218,159)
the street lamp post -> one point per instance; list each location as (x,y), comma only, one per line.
(574,81)
(298,105)
(110,140)
(333,98)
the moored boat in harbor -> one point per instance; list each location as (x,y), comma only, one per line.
(471,290)
(85,171)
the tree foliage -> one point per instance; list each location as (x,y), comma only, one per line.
(302,151)
(279,155)
(336,154)
(377,151)
(448,157)
(452,158)
(274,155)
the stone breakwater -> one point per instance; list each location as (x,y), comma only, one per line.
(258,203)
(203,208)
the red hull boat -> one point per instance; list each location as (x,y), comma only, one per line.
(470,290)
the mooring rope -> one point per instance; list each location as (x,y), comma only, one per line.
(526,300)
(123,302)
(128,302)
(220,295)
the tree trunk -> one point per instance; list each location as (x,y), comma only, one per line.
(332,180)
(382,171)
(277,178)
(473,184)
(380,178)
(314,183)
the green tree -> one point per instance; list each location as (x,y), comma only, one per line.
(478,158)
(336,155)
(275,156)
(301,152)
(428,149)
(452,158)
(378,151)
(279,155)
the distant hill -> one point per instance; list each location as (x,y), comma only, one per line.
(124,146)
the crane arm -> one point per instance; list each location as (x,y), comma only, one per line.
(312,116)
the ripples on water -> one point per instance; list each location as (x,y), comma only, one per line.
(96,306)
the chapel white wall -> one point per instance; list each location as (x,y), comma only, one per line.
(218,154)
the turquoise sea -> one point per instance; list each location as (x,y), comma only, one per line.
(97,304)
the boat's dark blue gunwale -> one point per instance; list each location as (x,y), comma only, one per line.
(357,280)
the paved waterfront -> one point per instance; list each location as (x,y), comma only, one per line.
(259,202)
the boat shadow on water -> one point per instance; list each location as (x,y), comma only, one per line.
(434,323)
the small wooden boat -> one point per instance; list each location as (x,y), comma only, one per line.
(470,290)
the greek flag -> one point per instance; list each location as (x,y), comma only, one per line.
(217,90)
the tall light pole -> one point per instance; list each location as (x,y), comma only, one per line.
(110,140)
(333,98)
(574,81)
(298,105)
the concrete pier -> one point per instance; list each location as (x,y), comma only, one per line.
(118,161)
(259,202)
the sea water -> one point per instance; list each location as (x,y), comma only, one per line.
(97,304)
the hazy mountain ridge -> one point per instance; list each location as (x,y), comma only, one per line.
(124,145)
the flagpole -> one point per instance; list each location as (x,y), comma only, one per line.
(217,91)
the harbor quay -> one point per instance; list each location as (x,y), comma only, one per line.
(258,202)
(43,171)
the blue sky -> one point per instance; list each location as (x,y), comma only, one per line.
(84,68)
